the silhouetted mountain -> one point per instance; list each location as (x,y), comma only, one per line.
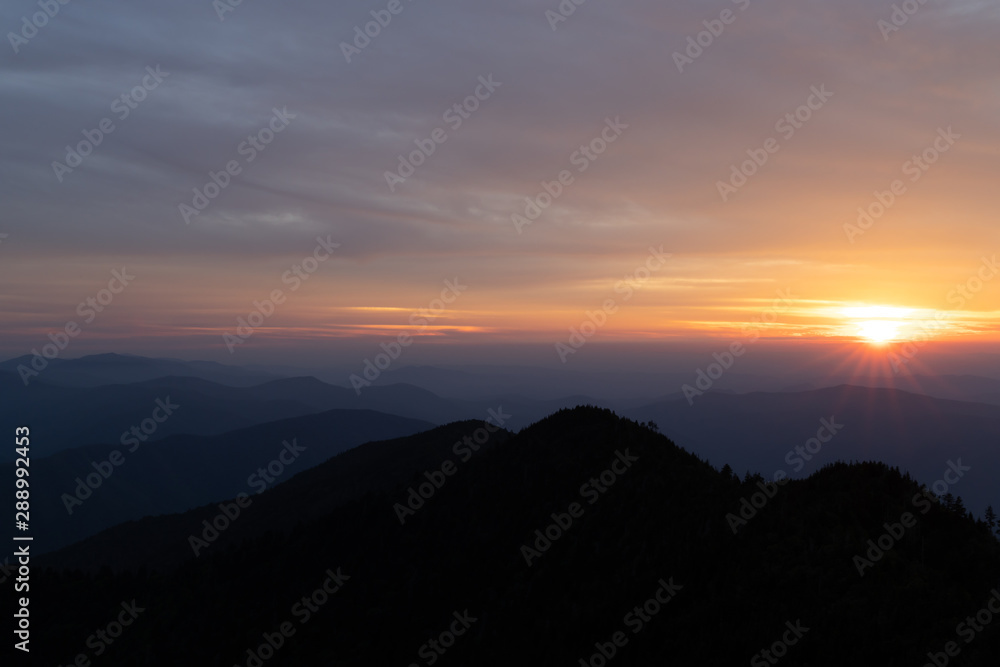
(629,516)
(403,400)
(161,542)
(80,492)
(920,434)
(65,417)
(398,399)
(546,384)
(91,415)
(969,388)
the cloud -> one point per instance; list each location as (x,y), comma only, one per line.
(657,185)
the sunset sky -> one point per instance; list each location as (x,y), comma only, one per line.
(927,90)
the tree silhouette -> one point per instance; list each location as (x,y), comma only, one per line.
(949,500)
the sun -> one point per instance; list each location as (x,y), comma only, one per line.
(878,325)
(879,331)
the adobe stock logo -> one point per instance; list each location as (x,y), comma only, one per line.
(421,492)
(918,165)
(123,106)
(372,29)
(38,20)
(593,489)
(900,16)
(596,319)
(393,350)
(249,149)
(436,647)
(923,501)
(88,310)
(140,433)
(636,620)
(751,505)
(787,126)
(294,276)
(582,158)
(779,649)
(697,44)
(725,360)
(303,610)
(105,636)
(455,116)
(229,512)
(967,630)
(565,9)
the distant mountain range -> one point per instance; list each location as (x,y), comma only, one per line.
(477,383)
(584,537)
(310,491)
(620,389)
(79,492)
(78,426)
(63,417)
(100,369)
(970,388)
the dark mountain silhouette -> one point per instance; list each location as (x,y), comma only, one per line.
(400,399)
(657,526)
(917,433)
(181,472)
(93,415)
(90,415)
(161,542)
(969,388)
(619,389)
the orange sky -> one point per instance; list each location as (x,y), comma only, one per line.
(656,184)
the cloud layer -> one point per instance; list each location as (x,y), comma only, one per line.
(348,123)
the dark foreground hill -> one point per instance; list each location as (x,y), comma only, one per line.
(581,537)
(770,431)
(163,542)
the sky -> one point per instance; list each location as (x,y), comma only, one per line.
(663,230)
